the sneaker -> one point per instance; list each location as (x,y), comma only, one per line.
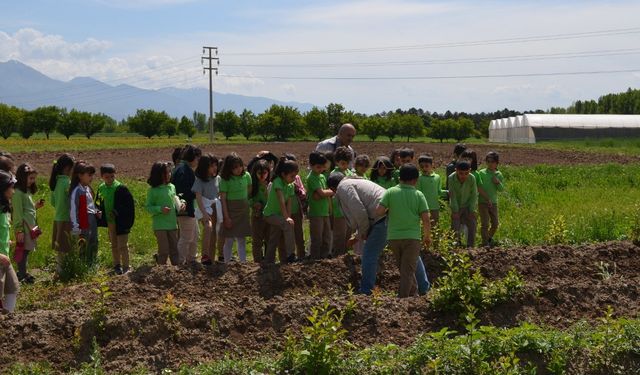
(26,279)
(205,260)
(126,270)
(291,258)
(117,269)
(221,259)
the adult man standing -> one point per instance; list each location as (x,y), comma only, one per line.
(344,138)
(358,199)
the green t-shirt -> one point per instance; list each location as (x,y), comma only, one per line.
(5,229)
(23,210)
(158,197)
(273,205)
(463,195)
(236,187)
(384,182)
(431,188)
(337,212)
(405,205)
(107,193)
(61,200)
(395,175)
(317,207)
(489,187)
(261,197)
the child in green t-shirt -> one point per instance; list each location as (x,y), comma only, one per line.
(491,182)
(341,232)
(405,207)
(463,200)
(362,165)
(319,207)
(277,211)
(429,184)
(382,172)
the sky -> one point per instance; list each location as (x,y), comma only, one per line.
(371,56)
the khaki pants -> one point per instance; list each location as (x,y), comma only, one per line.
(467,218)
(488,214)
(434,218)
(209,239)
(259,237)
(119,247)
(278,227)
(320,233)
(167,246)
(406,253)
(8,281)
(188,242)
(340,235)
(298,233)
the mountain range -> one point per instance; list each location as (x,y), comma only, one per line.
(25,87)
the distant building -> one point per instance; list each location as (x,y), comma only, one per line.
(530,128)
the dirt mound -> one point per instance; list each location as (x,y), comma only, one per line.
(243,309)
(144,158)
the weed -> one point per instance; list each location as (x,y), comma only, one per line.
(170,310)
(73,266)
(604,272)
(376,296)
(214,327)
(635,226)
(99,311)
(94,367)
(350,306)
(557,232)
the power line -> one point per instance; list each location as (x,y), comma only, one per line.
(564,55)
(398,78)
(210,59)
(526,39)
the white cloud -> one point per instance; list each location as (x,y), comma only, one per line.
(28,43)
(289,89)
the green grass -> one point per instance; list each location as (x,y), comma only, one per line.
(597,203)
(622,146)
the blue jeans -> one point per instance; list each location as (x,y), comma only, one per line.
(373,248)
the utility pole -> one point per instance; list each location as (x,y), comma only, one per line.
(211,69)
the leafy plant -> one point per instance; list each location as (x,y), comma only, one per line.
(99,311)
(635,227)
(73,265)
(604,272)
(557,232)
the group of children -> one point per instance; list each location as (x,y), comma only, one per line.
(220,202)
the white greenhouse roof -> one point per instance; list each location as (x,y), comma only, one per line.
(580,121)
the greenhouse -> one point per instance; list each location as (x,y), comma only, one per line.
(530,128)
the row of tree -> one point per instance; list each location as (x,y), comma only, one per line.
(624,103)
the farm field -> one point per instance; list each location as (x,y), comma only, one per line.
(567,220)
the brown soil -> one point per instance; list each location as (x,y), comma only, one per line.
(136,163)
(245,310)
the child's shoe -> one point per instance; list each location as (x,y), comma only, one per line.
(117,269)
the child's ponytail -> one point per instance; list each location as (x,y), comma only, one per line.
(63,162)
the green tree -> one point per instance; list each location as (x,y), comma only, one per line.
(186,127)
(147,122)
(247,124)
(70,123)
(317,122)
(227,122)
(10,120)
(45,119)
(442,129)
(28,125)
(93,124)
(374,127)
(334,112)
(410,126)
(267,124)
(170,126)
(200,121)
(394,123)
(463,129)
(290,122)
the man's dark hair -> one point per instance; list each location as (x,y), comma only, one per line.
(317,157)
(409,172)
(459,148)
(425,159)
(107,168)
(463,165)
(343,154)
(334,180)
(406,153)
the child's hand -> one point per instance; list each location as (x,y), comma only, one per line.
(427,241)
(4,260)
(166,210)
(20,237)
(99,214)
(227,223)
(183,206)
(289,221)
(489,204)
(206,216)
(40,204)
(495,180)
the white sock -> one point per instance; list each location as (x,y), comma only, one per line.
(10,302)
(227,250)
(242,248)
